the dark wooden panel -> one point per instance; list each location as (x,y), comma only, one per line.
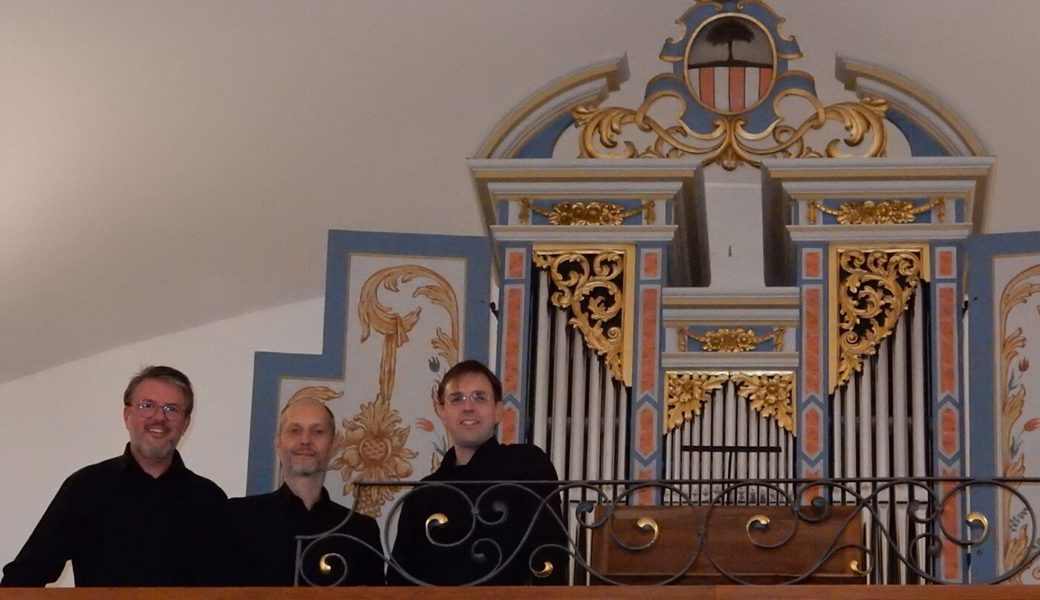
(799,546)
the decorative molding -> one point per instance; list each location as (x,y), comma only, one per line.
(877,212)
(731,340)
(870,290)
(587,213)
(730,144)
(771,395)
(595,285)
(688,393)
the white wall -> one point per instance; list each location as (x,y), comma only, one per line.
(70,416)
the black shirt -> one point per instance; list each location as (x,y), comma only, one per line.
(122,527)
(474,548)
(262,531)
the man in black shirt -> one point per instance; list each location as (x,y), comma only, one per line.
(516,536)
(263,529)
(140,519)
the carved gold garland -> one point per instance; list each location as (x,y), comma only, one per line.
(592,284)
(730,144)
(731,340)
(879,212)
(872,289)
(587,213)
(771,395)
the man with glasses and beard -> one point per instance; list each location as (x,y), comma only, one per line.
(140,519)
(262,530)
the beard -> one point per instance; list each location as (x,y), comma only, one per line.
(303,465)
(156,451)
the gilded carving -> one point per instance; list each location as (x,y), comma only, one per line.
(730,144)
(877,212)
(587,213)
(734,340)
(688,393)
(590,285)
(874,287)
(770,395)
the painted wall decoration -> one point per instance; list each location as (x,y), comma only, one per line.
(400,310)
(1018,334)
(1004,286)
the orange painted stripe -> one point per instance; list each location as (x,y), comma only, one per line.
(765,79)
(707,86)
(516,264)
(946,263)
(651,265)
(648,341)
(736,88)
(813,347)
(947,341)
(811,264)
(514,327)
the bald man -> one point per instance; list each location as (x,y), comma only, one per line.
(263,529)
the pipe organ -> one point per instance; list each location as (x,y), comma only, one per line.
(625,359)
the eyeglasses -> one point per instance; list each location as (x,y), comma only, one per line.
(172,411)
(478,397)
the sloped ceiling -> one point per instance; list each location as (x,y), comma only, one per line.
(167,164)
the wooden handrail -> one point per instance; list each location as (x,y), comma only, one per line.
(706,592)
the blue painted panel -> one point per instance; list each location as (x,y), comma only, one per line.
(983,461)
(269,368)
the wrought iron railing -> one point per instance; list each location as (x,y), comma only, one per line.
(789,531)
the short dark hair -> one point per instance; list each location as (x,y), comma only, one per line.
(469,367)
(165,374)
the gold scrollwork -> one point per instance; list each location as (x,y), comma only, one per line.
(730,144)
(323,563)
(688,393)
(873,288)
(587,213)
(877,212)
(855,568)
(734,340)
(977,519)
(758,522)
(770,395)
(546,570)
(436,519)
(649,524)
(591,286)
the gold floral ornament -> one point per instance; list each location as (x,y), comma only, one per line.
(373,448)
(688,393)
(586,213)
(730,144)
(770,395)
(880,212)
(874,289)
(590,285)
(733,340)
